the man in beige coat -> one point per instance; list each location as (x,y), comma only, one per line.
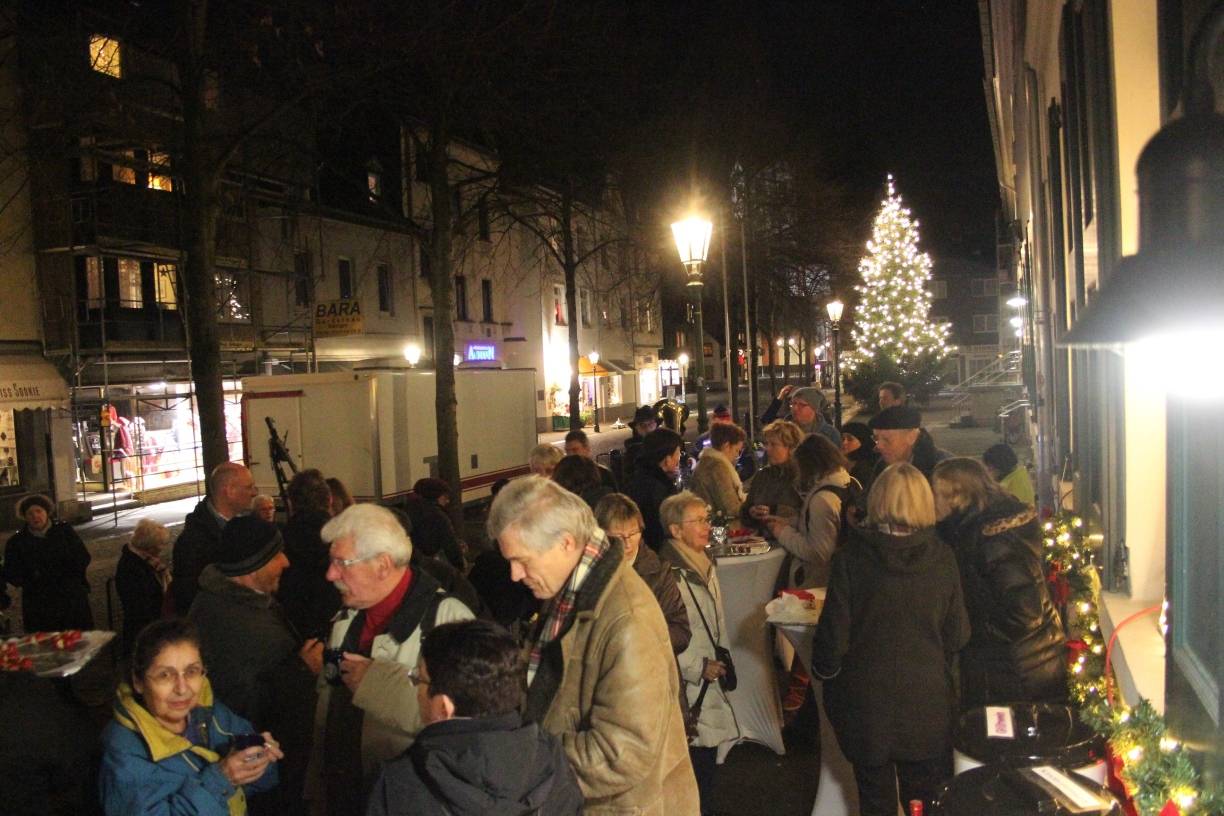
(601,674)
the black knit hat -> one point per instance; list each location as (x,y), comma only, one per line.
(247,543)
(859,431)
(898,417)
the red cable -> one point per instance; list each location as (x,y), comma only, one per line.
(1114,637)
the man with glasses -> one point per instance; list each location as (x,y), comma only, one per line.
(900,437)
(474,751)
(601,674)
(807,406)
(369,713)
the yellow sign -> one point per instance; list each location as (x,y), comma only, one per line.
(338,318)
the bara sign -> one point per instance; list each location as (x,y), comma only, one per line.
(338,318)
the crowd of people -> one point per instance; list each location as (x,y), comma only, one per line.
(363,659)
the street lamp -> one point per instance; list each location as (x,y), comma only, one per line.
(693,243)
(412,353)
(594,358)
(683,359)
(834,309)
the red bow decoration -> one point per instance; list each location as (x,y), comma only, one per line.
(1075,648)
(1170,809)
(1113,781)
(1060,588)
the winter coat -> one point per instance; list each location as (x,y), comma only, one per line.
(356,731)
(648,487)
(717,484)
(310,600)
(146,768)
(140,594)
(892,623)
(608,688)
(773,486)
(489,766)
(812,536)
(862,465)
(194,549)
(701,591)
(50,569)
(925,456)
(658,576)
(251,651)
(1019,484)
(1017,652)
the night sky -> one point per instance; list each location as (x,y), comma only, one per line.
(866,87)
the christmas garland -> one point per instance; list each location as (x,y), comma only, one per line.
(1157,775)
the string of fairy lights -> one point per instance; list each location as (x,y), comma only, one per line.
(892,314)
(1158,774)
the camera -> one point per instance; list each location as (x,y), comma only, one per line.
(242,742)
(728,681)
(331,665)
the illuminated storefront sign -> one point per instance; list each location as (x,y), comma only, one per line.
(482,352)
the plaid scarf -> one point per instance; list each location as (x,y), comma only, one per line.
(560,611)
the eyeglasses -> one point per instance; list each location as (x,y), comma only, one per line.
(170,677)
(635,534)
(417,678)
(345,563)
(702,520)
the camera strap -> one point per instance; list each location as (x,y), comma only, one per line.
(700,614)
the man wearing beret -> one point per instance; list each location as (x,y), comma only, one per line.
(900,437)
(256,660)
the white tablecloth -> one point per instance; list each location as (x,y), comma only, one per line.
(747,585)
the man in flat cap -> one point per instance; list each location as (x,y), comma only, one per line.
(256,660)
(900,437)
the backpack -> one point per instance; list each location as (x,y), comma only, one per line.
(850,495)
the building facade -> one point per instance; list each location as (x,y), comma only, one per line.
(1124,424)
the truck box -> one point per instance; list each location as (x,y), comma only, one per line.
(375,429)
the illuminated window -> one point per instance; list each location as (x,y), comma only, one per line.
(131,295)
(125,173)
(560,309)
(232,298)
(374,185)
(94,296)
(105,55)
(165,286)
(159,172)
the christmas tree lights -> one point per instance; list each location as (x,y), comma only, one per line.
(891,318)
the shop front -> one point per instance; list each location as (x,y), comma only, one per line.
(35,429)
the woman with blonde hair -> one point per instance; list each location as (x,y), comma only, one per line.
(892,623)
(1016,653)
(543,459)
(772,490)
(142,579)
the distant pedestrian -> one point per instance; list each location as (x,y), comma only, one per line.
(644,421)
(341,498)
(433,533)
(263,507)
(474,754)
(1005,468)
(580,476)
(142,579)
(543,458)
(654,479)
(890,394)
(231,489)
(578,444)
(47,559)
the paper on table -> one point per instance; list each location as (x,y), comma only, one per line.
(1075,796)
(788,609)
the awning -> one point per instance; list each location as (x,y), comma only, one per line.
(27,381)
(585,368)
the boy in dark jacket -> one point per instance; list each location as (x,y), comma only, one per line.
(475,755)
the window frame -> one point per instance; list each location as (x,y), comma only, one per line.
(386,289)
(344,278)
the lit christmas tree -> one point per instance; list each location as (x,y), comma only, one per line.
(893,337)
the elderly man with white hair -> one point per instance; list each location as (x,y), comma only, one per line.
(368,710)
(601,674)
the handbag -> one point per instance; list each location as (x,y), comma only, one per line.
(728,681)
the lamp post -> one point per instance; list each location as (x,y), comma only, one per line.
(834,309)
(693,243)
(594,358)
(683,359)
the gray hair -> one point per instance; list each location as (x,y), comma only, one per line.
(544,454)
(672,510)
(149,536)
(374,530)
(262,498)
(542,512)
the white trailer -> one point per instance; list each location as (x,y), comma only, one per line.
(376,429)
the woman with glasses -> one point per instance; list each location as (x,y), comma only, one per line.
(687,521)
(172,748)
(772,490)
(620,518)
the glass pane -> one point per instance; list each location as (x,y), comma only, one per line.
(164,285)
(9,471)
(130,295)
(104,55)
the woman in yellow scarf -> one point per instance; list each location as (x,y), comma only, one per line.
(172,748)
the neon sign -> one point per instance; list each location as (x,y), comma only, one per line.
(477,351)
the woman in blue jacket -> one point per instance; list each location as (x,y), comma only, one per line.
(171,748)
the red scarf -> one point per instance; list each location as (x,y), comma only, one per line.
(378,616)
